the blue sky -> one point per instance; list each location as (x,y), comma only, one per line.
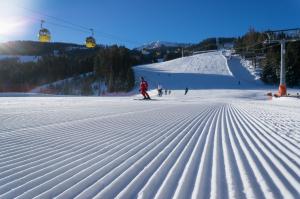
(134,22)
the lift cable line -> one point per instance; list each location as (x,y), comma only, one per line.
(59,24)
(45,35)
(267,35)
(73,26)
(283,30)
(55,18)
(263,48)
(249,46)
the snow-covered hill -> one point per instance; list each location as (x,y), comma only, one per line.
(204,71)
(206,63)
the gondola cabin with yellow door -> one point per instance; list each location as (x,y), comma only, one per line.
(44,34)
(90,42)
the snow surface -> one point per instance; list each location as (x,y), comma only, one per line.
(206,63)
(39,89)
(255,71)
(211,143)
(21,58)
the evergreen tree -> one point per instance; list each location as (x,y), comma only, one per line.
(293,64)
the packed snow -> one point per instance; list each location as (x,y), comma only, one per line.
(206,63)
(254,70)
(20,58)
(220,141)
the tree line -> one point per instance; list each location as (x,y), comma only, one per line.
(111,64)
(16,76)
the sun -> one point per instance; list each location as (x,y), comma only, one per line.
(12,20)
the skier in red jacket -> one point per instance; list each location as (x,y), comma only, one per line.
(144,88)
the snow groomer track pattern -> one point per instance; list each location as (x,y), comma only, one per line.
(92,148)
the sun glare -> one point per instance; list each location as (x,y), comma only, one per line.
(12,20)
(11,26)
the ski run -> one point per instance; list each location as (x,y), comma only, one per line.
(223,139)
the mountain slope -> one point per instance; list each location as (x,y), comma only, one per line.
(204,71)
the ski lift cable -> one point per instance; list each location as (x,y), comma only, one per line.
(283,30)
(264,48)
(287,33)
(78,27)
(43,16)
(268,32)
(57,24)
(267,47)
(55,18)
(249,46)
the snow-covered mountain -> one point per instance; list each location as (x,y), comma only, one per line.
(158,44)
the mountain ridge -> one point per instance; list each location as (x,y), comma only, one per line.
(159,44)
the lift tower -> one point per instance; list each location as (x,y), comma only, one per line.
(282,37)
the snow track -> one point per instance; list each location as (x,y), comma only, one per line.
(109,148)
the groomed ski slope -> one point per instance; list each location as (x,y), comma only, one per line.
(225,143)
(206,63)
(203,71)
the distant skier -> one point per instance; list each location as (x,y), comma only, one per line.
(159,90)
(169,92)
(186,90)
(144,88)
(166,92)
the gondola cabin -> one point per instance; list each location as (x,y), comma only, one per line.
(44,34)
(90,42)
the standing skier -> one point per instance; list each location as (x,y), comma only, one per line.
(159,89)
(144,88)
(186,90)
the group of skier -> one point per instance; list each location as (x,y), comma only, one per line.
(144,88)
(160,91)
